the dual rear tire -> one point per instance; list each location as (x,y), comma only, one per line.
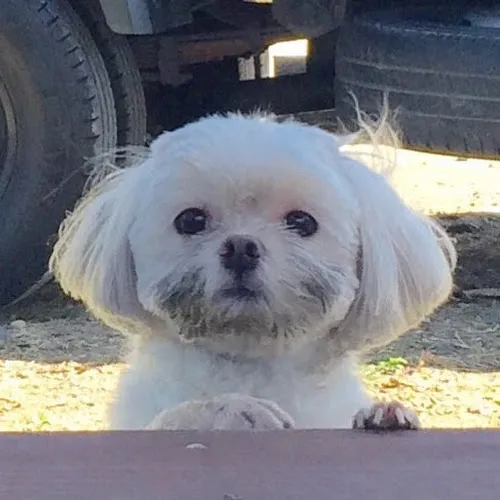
(69,89)
(440,71)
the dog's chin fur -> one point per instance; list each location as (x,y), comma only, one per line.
(270,314)
(373,270)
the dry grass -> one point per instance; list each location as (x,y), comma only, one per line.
(55,396)
(73,396)
(443,398)
(60,374)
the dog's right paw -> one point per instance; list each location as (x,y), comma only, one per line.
(391,416)
(228,412)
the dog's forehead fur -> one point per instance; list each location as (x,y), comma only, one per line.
(262,137)
(247,164)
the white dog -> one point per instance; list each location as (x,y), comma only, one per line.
(251,261)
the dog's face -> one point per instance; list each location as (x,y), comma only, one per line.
(247,235)
(242,233)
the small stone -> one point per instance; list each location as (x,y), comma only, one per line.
(196,446)
(18,323)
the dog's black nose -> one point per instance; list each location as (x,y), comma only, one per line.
(239,254)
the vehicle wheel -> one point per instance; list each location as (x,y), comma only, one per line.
(438,72)
(123,72)
(56,110)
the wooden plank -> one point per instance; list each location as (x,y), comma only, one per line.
(291,465)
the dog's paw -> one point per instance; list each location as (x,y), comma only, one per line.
(228,412)
(390,416)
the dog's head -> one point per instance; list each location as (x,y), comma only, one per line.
(252,236)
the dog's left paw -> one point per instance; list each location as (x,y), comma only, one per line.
(390,416)
(231,412)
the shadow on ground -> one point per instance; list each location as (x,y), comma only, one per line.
(477,239)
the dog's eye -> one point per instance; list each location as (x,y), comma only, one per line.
(302,223)
(191,221)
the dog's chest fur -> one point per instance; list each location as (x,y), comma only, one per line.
(163,374)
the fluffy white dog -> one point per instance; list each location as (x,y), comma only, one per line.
(251,262)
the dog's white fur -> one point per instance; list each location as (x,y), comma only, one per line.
(375,269)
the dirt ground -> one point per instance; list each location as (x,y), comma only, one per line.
(59,367)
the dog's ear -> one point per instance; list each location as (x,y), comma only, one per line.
(405,262)
(92,259)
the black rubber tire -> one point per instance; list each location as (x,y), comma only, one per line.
(442,76)
(123,72)
(61,106)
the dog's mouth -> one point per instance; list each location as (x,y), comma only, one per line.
(240,292)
